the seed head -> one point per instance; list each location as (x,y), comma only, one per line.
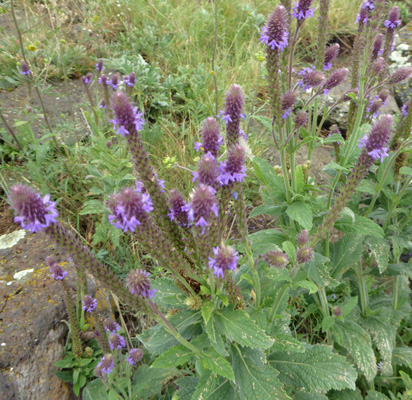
(377,46)
(330,54)
(400,75)
(303,237)
(335,79)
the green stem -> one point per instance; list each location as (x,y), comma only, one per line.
(363,290)
(285,173)
(325,311)
(395,292)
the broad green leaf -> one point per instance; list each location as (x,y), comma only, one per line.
(309,396)
(207,309)
(349,306)
(346,394)
(373,395)
(333,166)
(207,383)
(168,294)
(346,252)
(335,137)
(301,213)
(402,356)
(359,346)
(366,186)
(147,382)
(300,179)
(65,376)
(255,381)
(306,285)
(380,250)
(95,390)
(210,330)
(217,364)
(285,342)
(265,121)
(274,211)
(327,323)
(399,269)
(93,207)
(269,178)
(406,171)
(318,270)
(266,240)
(362,226)
(381,171)
(224,390)
(316,369)
(237,326)
(290,250)
(187,387)
(173,357)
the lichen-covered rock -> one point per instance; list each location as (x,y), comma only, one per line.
(32,336)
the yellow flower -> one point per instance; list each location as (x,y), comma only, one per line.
(32,47)
(212,73)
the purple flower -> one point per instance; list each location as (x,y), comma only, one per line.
(89,303)
(310,78)
(377,46)
(198,146)
(87,79)
(393,20)
(102,105)
(138,283)
(134,356)
(276,259)
(302,10)
(99,65)
(363,16)
(288,100)
(117,342)
(178,210)
(203,206)
(130,80)
(110,326)
(105,365)
(211,139)
(275,34)
(56,271)
(233,169)
(225,117)
(303,238)
(225,258)
(128,118)
(304,254)
(368,4)
(129,208)
(207,172)
(405,108)
(114,82)
(103,80)
(374,107)
(335,79)
(301,119)
(24,68)
(400,75)
(32,211)
(330,54)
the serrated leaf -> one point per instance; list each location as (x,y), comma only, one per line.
(349,306)
(217,364)
(399,269)
(187,387)
(273,211)
(306,285)
(334,167)
(93,207)
(346,252)
(266,240)
(318,369)
(373,395)
(359,346)
(168,294)
(290,250)
(301,213)
(362,226)
(381,172)
(309,396)
(327,323)
(237,326)
(285,342)
(318,270)
(345,395)
(335,137)
(95,390)
(402,356)
(208,381)
(207,309)
(380,250)
(255,382)
(173,357)
(147,382)
(269,178)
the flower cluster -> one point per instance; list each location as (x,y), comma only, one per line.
(117,342)
(275,34)
(211,139)
(24,68)
(134,356)
(89,303)
(138,283)
(330,54)
(233,169)
(225,258)
(203,206)
(99,65)
(130,79)
(302,10)
(393,20)
(105,365)
(178,210)
(128,118)
(56,271)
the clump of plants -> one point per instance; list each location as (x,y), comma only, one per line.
(295,311)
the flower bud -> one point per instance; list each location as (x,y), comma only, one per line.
(400,75)
(330,54)
(304,254)
(335,79)
(277,259)
(301,119)
(377,46)
(378,65)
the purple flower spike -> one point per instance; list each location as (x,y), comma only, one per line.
(89,303)
(32,211)
(207,172)
(178,210)
(302,10)
(405,108)
(87,79)
(363,16)
(303,237)
(330,54)
(128,118)
(384,95)
(233,169)
(56,271)
(301,119)
(117,342)
(110,326)
(377,49)
(275,34)
(288,100)
(130,80)
(24,68)
(138,283)
(400,75)
(203,206)
(105,366)
(99,65)
(378,65)
(134,356)
(103,80)
(225,117)
(304,255)
(335,79)
(276,259)
(102,105)
(311,79)
(393,20)
(211,137)
(114,82)
(129,208)
(225,258)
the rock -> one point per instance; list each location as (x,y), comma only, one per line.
(402,57)
(32,336)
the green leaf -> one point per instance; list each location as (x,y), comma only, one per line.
(373,395)
(301,213)
(346,252)
(95,390)
(238,326)
(65,376)
(381,171)
(168,294)
(359,346)
(345,395)
(317,369)
(147,382)
(207,383)
(309,396)
(318,271)
(274,211)
(333,166)
(405,171)
(93,207)
(336,137)
(173,357)
(266,240)
(290,250)
(327,323)
(402,356)
(380,250)
(187,387)
(268,177)
(363,226)
(285,342)
(399,269)
(207,309)
(306,285)
(349,306)
(217,364)
(366,186)
(265,121)
(255,381)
